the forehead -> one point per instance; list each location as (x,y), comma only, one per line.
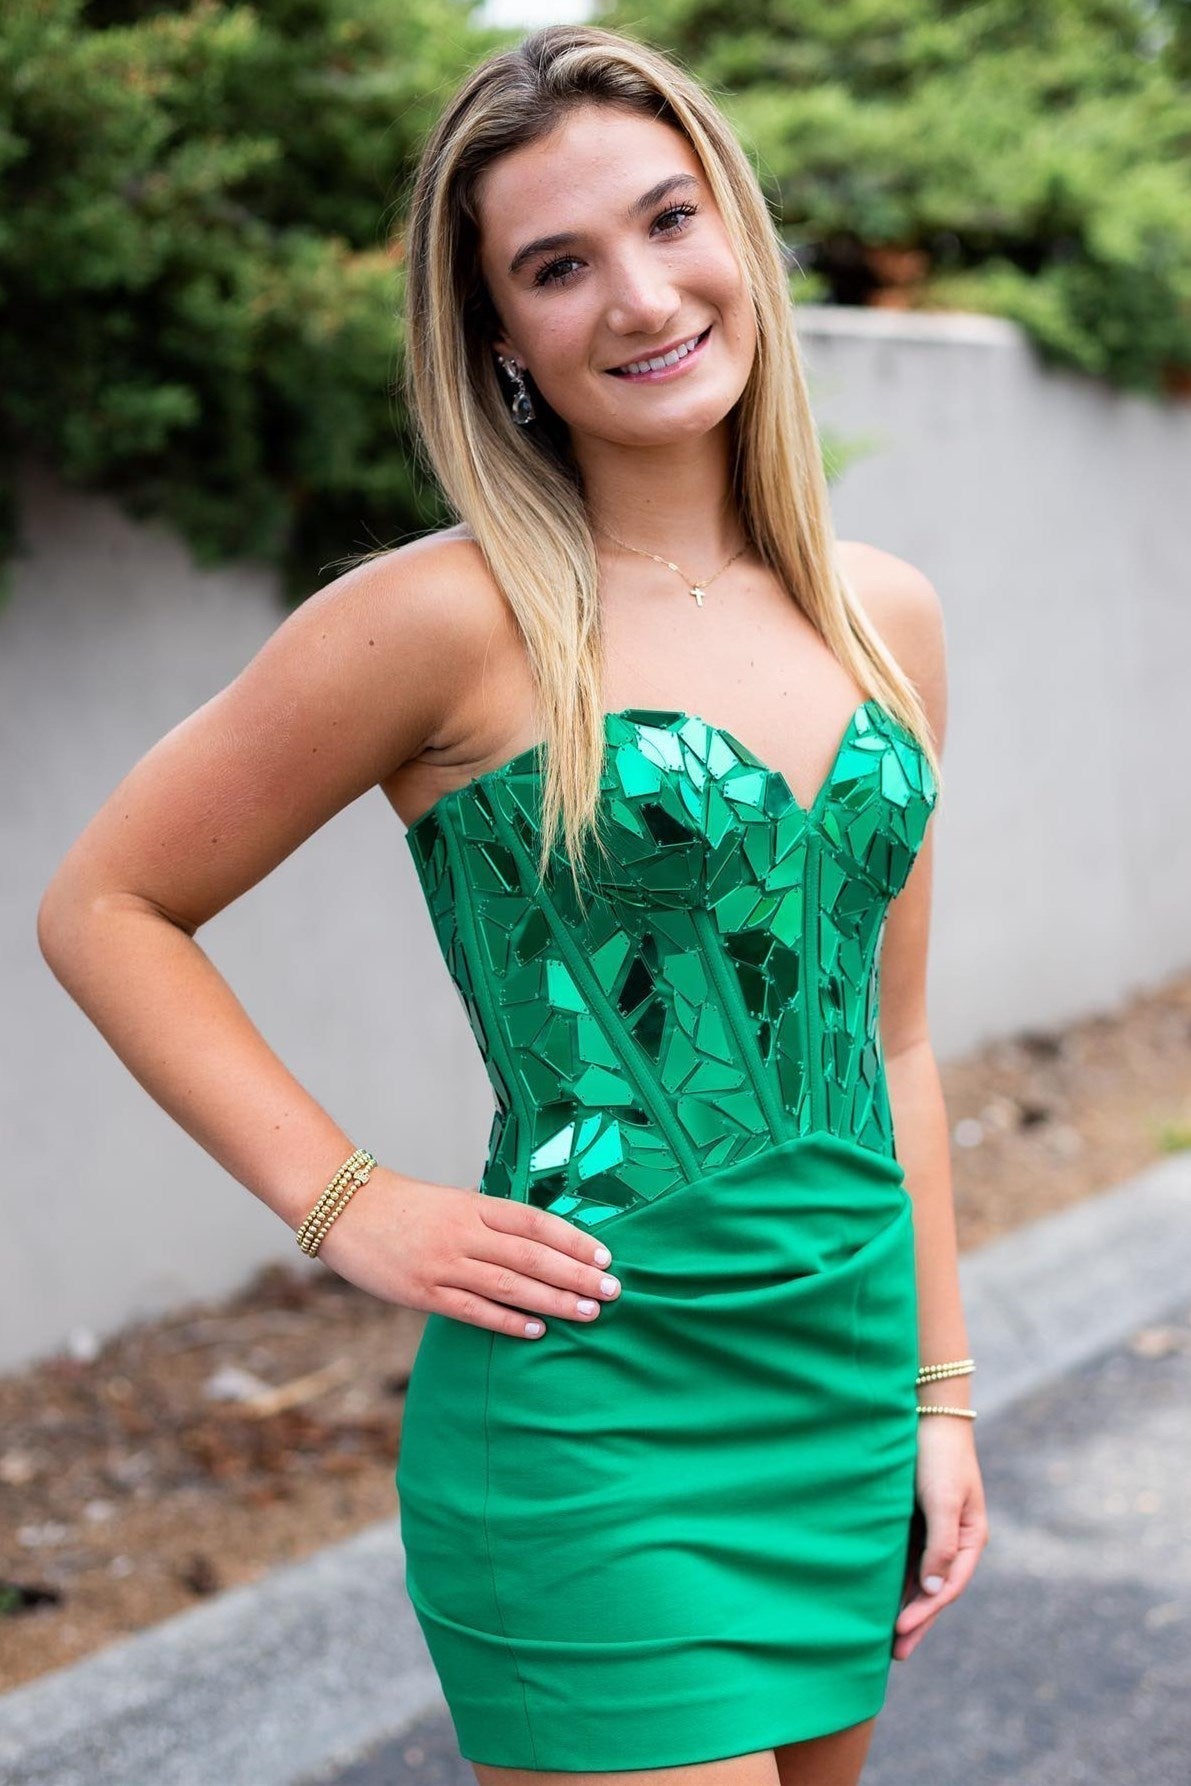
(597,154)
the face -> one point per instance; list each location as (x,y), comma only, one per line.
(602,248)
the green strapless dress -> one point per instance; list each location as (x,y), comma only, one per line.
(677,1532)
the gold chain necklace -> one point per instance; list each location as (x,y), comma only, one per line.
(695,589)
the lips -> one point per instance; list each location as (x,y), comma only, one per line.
(661,357)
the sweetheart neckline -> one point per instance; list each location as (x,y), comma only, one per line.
(667,715)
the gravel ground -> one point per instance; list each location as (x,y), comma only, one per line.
(194,1452)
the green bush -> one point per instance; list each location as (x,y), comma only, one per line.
(200,306)
(1026,158)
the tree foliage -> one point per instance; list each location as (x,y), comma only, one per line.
(200,299)
(1029,158)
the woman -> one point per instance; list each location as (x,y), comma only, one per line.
(667,756)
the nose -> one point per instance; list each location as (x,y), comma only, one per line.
(642,298)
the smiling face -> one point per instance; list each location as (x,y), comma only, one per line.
(603,249)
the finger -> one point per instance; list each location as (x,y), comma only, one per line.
(958,1576)
(940,1547)
(506,1216)
(909,1631)
(505,1285)
(477,1311)
(904,1647)
(922,1608)
(529,1262)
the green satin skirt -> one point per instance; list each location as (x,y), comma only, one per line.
(678,1532)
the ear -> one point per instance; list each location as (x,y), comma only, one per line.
(504,348)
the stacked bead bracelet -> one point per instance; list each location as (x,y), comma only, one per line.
(934,1373)
(351,1175)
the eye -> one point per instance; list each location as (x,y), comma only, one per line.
(549,274)
(677,211)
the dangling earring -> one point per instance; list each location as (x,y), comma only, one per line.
(522,404)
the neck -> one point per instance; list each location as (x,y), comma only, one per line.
(675,499)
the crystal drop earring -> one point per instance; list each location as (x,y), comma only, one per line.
(522,404)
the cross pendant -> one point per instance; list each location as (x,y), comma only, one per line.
(698,594)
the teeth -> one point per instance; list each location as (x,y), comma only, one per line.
(666,359)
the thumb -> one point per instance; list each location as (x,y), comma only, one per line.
(940,1549)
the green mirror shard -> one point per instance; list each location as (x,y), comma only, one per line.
(720,994)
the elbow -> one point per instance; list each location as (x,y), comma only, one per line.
(56,920)
(61,919)
(74,918)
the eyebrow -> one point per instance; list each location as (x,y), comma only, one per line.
(543,244)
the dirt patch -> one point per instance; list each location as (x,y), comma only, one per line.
(1046,1117)
(198,1451)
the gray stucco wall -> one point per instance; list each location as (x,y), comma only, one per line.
(1049,512)
(1052,515)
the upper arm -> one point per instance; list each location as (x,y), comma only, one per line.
(905,607)
(353,683)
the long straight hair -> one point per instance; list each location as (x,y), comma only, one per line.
(518,488)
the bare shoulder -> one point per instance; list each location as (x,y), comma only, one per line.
(898,598)
(438,608)
(904,606)
(356,684)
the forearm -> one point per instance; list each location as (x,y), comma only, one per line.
(921,1130)
(170,1016)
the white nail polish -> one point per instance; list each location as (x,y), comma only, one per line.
(602,1255)
(933,1583)
(533,1327)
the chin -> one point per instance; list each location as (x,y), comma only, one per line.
(687,423)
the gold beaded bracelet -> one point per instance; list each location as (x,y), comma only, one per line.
(931,1373)
(354,1172)
(934,1373)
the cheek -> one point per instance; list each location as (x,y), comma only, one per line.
(557,341)
(738,308)
(733,284)
(723,284)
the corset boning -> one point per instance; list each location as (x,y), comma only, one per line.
(716,995)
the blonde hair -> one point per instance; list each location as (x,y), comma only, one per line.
(517,488)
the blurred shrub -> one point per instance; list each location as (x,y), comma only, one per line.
(1028,158)
(200,312)
(198,307)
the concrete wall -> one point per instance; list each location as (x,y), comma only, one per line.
(1052,515)
(1049,512)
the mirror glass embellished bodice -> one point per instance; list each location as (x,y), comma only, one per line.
(716,995)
